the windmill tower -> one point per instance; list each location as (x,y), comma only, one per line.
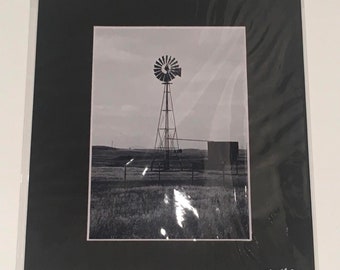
(166,69)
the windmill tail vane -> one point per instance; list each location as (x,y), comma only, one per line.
(178,72)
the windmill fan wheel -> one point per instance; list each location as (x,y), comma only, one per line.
(166,68)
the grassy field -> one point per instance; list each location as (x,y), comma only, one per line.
(155,212)
(103,156)
(137,173)
(135,202)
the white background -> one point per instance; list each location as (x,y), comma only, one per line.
(322,44)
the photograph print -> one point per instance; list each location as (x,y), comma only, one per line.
(169,147)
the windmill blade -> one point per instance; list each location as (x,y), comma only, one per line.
(172,62)
(157,73)
(158,62)
(159,76)
(156,65)
(171,75)
(156,69)
(163,58)
(166,59)
(162,76)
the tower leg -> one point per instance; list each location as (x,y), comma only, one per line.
(166,137)
(166,128)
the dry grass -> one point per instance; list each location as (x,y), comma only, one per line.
(141,213)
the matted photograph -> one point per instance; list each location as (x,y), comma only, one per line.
(169,156)
(164,131)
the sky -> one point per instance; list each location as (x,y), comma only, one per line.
(210,98)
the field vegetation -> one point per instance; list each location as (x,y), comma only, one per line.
(142,212)
(133,202)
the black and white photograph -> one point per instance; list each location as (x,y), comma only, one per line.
(169,147)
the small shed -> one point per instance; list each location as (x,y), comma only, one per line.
(221,153)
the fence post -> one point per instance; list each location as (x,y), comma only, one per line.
(124,172)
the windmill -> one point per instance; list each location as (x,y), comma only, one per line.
(166,69)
